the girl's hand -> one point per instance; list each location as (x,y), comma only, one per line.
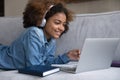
(74,54)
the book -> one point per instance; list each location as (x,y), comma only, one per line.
(39,70)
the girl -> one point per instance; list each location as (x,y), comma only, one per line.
(45,22)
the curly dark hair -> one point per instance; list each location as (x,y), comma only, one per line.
(36,9)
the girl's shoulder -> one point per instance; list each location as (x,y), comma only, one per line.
(35,31)
(33,28)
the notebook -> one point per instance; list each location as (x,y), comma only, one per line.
(39,70)
(97,53)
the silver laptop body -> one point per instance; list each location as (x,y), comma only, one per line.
(97,53)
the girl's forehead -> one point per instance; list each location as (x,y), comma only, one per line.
(59,15)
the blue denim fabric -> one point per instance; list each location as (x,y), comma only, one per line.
(31,48)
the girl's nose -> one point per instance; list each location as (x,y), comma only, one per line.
(62,27)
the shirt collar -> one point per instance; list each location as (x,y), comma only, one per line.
(46,41)
(43,38)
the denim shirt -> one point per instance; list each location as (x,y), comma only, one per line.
(31,48)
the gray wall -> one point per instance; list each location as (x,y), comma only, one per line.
(16,7)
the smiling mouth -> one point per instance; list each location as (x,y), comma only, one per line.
(58,33)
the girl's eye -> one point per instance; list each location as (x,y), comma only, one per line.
(56,22)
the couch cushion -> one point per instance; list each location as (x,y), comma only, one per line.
(10,28)
(83,26)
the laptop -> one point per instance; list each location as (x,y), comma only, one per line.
(96,54)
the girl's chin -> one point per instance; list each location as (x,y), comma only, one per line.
(56,37)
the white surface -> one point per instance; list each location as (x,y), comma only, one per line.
(106,74)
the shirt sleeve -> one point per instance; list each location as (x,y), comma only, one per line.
(60,59)
(32,47)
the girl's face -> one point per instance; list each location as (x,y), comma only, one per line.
(55,26)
